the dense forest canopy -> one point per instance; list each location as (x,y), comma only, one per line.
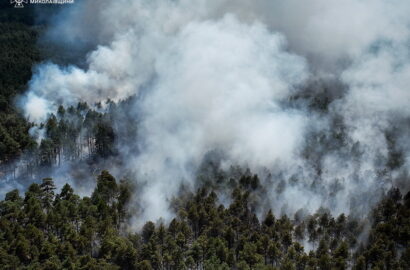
(46,229)
(189,135)
(18,54)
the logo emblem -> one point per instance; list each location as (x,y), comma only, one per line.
(18,3)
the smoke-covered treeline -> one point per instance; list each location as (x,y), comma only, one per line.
(303,107)
(72,145)
(316,99)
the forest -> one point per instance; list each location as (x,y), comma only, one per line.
(49,230)
(71,199)
(18,53)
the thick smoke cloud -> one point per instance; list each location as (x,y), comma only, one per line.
(225,76)
(222,92)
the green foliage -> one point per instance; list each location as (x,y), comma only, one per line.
(18,54)
(64,231)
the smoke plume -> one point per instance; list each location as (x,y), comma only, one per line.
(315,93)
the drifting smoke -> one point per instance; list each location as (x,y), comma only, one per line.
(226,76)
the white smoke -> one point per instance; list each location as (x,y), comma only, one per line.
(222,92)
(215,75)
